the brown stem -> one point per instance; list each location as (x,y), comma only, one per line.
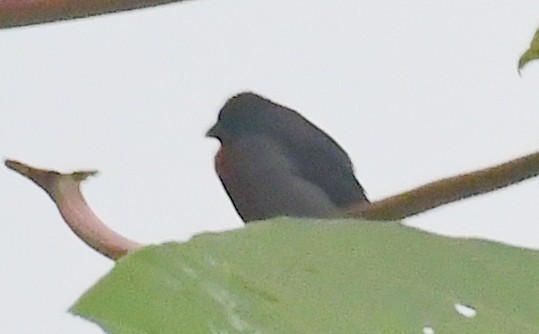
(64,190)
(25,12)
(452,189)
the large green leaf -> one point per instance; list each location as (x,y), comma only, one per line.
(299,276)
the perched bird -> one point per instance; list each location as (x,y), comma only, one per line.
(273,162)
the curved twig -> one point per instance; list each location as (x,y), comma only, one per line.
(452,189)
(15,13)
(64,190)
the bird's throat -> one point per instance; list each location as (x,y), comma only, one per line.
(222,168)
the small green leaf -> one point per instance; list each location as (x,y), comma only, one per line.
(531,54)
(305,276)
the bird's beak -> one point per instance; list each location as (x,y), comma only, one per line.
(213,131)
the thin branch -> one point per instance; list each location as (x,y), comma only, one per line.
(438,193)
(64,190)
(14,13)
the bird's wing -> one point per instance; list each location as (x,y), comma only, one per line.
(320,160)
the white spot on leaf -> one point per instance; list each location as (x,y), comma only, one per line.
(428,330)
(465,310)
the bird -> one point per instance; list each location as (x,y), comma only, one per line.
(273,162)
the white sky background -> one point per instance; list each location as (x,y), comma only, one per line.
(413,90)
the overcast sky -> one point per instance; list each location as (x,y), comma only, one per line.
(413,90)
